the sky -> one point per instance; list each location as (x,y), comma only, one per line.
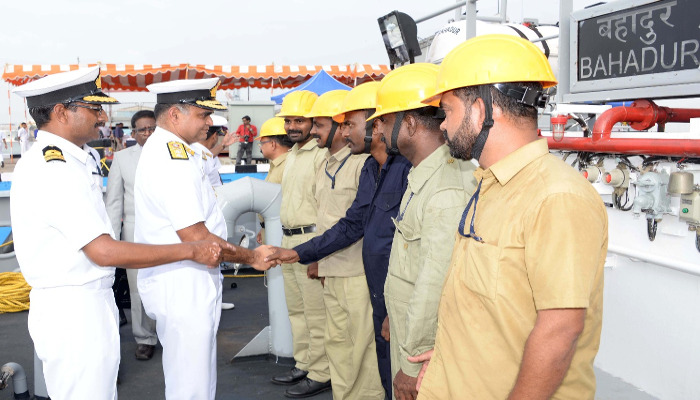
(303,32)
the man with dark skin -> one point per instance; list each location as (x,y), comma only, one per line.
(348,337)
(522,303)
(381,186)
(430,209)
(299,214)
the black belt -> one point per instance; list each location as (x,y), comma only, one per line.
(298,231)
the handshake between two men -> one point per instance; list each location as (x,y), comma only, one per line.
(212,252)
(261,258)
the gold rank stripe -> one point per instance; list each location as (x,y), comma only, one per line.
(178,151)
(53,153)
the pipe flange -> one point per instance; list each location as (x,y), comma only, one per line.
(650,116)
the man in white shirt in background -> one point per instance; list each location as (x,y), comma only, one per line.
(23,136)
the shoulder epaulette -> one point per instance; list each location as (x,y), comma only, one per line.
(178,151)
(53,153)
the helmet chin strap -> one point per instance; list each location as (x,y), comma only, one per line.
(369,125)
(393,147)
(485,94)
(329,140)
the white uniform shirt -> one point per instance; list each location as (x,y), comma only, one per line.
(94,164)
(57,209)
(22,135)
(211,163)
(172,192)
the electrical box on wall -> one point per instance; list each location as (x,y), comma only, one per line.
(690,208)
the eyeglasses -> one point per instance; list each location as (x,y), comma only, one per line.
(262,142)
(99,109)
(147,129)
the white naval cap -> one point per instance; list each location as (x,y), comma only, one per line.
(196,92)
(82,84)
(218,120)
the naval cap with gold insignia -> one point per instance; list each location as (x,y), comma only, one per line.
(82,85)
(197,92)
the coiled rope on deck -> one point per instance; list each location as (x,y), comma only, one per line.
(14,292)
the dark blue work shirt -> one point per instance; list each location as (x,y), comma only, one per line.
(378,198)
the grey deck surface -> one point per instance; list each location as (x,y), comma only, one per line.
(241,379)
(143,380)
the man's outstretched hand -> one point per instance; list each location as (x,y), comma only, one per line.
(262,253)
(283,256)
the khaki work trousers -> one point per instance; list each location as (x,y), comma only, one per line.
(350,339)
(307,315)
(397,310)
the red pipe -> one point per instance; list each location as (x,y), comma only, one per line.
(642,115)
(660,147)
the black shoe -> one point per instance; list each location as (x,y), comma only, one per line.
(291,377)
(122,317)
(307,388)
(144,352)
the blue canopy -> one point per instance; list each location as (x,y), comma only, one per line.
(319,84)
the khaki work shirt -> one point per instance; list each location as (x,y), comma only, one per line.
(420,254)
(344,169)
(274,175)
(299,207)
(545,234)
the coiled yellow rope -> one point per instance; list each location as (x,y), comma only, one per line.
(14,292)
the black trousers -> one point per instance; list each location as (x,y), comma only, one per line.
(383,357)
(248,149)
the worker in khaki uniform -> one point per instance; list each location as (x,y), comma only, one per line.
(349,338)
(428,215)
(274,146)
(520,315)
(381,185)
(298,212)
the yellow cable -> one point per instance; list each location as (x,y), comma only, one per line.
(7,243)
(14,292)
(243,276)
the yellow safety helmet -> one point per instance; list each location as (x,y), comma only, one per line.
(490,59)
(405,87)
(361,97)
(297,104)
(328,104)
(272,127)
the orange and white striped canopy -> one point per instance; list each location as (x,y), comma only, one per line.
(135,78)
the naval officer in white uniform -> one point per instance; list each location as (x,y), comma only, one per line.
(63,240)
(176,202)
(119,201)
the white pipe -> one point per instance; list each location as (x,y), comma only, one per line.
(40,391)
(662,260)
(254,195)
(444,10)
(19,379)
